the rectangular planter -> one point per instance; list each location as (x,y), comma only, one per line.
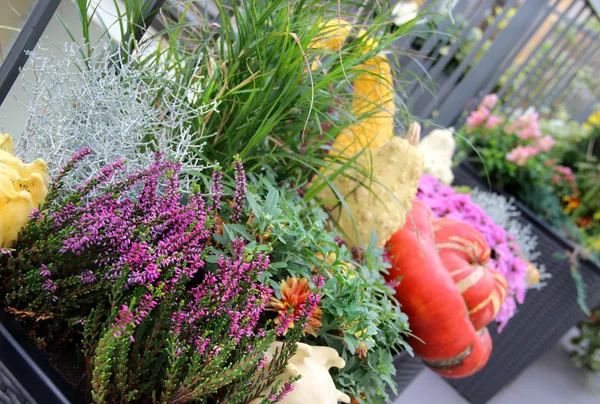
(546,315)
(407,369)
(26,376)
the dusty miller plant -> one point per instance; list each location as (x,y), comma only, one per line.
(505,214)
(116,107)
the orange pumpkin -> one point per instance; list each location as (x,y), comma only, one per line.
(465,254)
(444,336)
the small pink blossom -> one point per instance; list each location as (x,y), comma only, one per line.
(492,122)
(545,143)
(566,171)
(526,126)
(489,101)
(520,154)
(477,118)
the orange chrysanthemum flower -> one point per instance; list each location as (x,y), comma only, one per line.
(294,295)
(573,203)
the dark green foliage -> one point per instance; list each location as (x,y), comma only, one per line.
(587,343)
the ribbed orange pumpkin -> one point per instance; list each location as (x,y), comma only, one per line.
(445,337)
(465,255)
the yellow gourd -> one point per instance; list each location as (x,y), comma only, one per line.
(533,275)
(373,99)
(381,184)
(378,191)
(23,187)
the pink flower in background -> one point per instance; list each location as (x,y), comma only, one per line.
(526,126)
(477,118)
(492,122)
(520,154)
(545,143)
(566,172)
(489,101)
(529,132)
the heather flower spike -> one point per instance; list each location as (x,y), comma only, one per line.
(297,303)
(240,190)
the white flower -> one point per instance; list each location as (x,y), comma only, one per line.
(404,12)
(437,149)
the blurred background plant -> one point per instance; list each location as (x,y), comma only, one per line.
(586,354)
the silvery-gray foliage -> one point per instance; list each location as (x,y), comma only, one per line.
(119,113)
(505,214)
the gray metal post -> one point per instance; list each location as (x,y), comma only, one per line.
(454,77)
(478,76)
(28,37)
(528,85)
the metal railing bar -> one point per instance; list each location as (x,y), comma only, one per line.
(466,62)
(431,42)
(523,64)
(474,20)
(27,40)
(515,100)
(445,39)
(559,72)
(518,47)
(477,77)
(558,92)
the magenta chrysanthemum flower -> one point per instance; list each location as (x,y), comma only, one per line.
(444,201)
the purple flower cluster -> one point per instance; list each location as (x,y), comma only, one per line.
(240,191)
(141,237)
(444,201)
(285,389)
(232,291)
(130,247)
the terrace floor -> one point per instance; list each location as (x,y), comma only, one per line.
(549,380)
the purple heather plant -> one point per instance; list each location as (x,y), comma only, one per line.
(161,311)
(507,259)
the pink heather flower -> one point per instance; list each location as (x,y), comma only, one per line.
(240,191)
(477,118)
(216,189)
(545,143)
(283,391)
(520,154)
(44,271)
(492,122)
(124,319)
(49,285)
(489,101)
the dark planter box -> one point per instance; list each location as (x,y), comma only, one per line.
(27,377)
(407,369)
(546,315)
(25,374)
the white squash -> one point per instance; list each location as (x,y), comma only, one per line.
(316,385)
